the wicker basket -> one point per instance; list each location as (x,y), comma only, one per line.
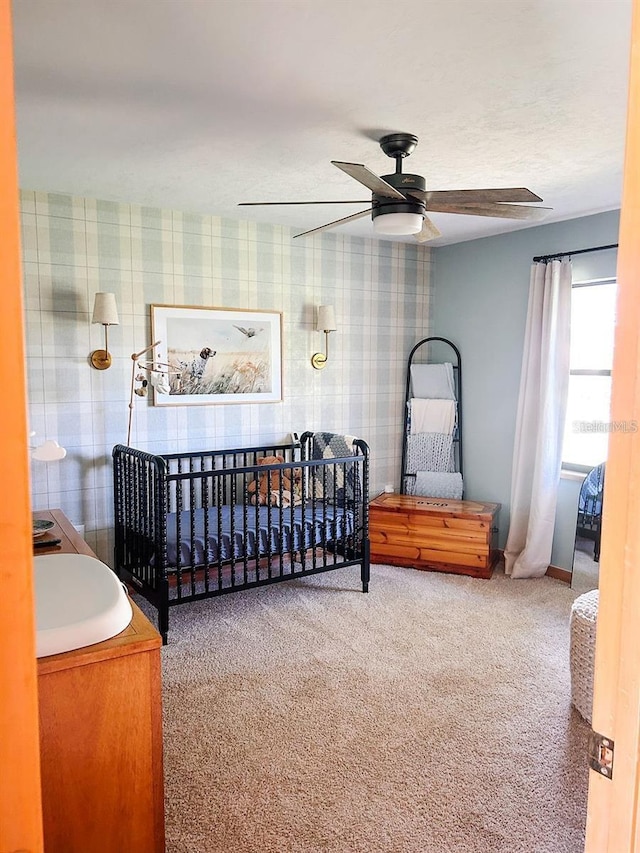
(584,616)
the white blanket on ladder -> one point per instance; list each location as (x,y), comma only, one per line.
(429,451)
(434,381)
(436,484)
(433,416)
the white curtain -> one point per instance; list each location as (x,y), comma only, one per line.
(542,404)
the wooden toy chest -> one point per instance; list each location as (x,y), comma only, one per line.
(434,533)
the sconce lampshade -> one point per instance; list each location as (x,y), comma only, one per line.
(105,310)
(326,319)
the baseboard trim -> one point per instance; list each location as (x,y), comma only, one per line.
(559,574)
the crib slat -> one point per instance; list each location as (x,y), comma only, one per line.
(192,519)
(219,501)
(245,520)
(206,482)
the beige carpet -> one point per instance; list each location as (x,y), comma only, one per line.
(432,714)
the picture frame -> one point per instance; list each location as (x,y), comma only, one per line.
(217,355)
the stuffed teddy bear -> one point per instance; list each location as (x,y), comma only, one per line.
(261,490)
(266,489)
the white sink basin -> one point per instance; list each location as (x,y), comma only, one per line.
(79,601)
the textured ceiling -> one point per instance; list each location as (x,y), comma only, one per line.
(200,104)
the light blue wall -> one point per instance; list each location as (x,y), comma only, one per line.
(479,301)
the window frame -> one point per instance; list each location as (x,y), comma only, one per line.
(574,467)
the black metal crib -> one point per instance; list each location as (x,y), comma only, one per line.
(190,526)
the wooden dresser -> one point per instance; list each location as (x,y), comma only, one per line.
(434,533)
(101,734)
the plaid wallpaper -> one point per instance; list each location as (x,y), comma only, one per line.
(73,247)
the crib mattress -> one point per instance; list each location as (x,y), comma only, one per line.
(223,533)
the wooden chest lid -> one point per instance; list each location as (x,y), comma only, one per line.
(435,506)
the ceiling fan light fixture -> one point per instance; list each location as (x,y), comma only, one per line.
(398,223)
(401,203)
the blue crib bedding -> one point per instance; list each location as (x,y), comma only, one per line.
(268,531)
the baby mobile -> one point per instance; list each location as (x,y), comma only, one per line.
(158,373)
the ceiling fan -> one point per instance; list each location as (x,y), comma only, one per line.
(400,202)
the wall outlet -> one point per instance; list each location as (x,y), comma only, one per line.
(389,488)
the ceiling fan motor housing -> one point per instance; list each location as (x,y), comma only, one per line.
(398,144)
(402,182)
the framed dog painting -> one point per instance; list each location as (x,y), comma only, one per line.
(218,355)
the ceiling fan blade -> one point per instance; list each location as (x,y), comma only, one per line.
(258,203)
(503,211)
(475,196)
(429,231)
(336,222)
(369,179)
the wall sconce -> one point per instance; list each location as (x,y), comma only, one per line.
(105,312)
(326,323)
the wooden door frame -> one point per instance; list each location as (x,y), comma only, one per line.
(20,809)
(612,824)
(612,818)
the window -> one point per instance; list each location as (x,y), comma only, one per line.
(588,425)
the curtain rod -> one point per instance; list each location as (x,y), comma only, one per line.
(577,252)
